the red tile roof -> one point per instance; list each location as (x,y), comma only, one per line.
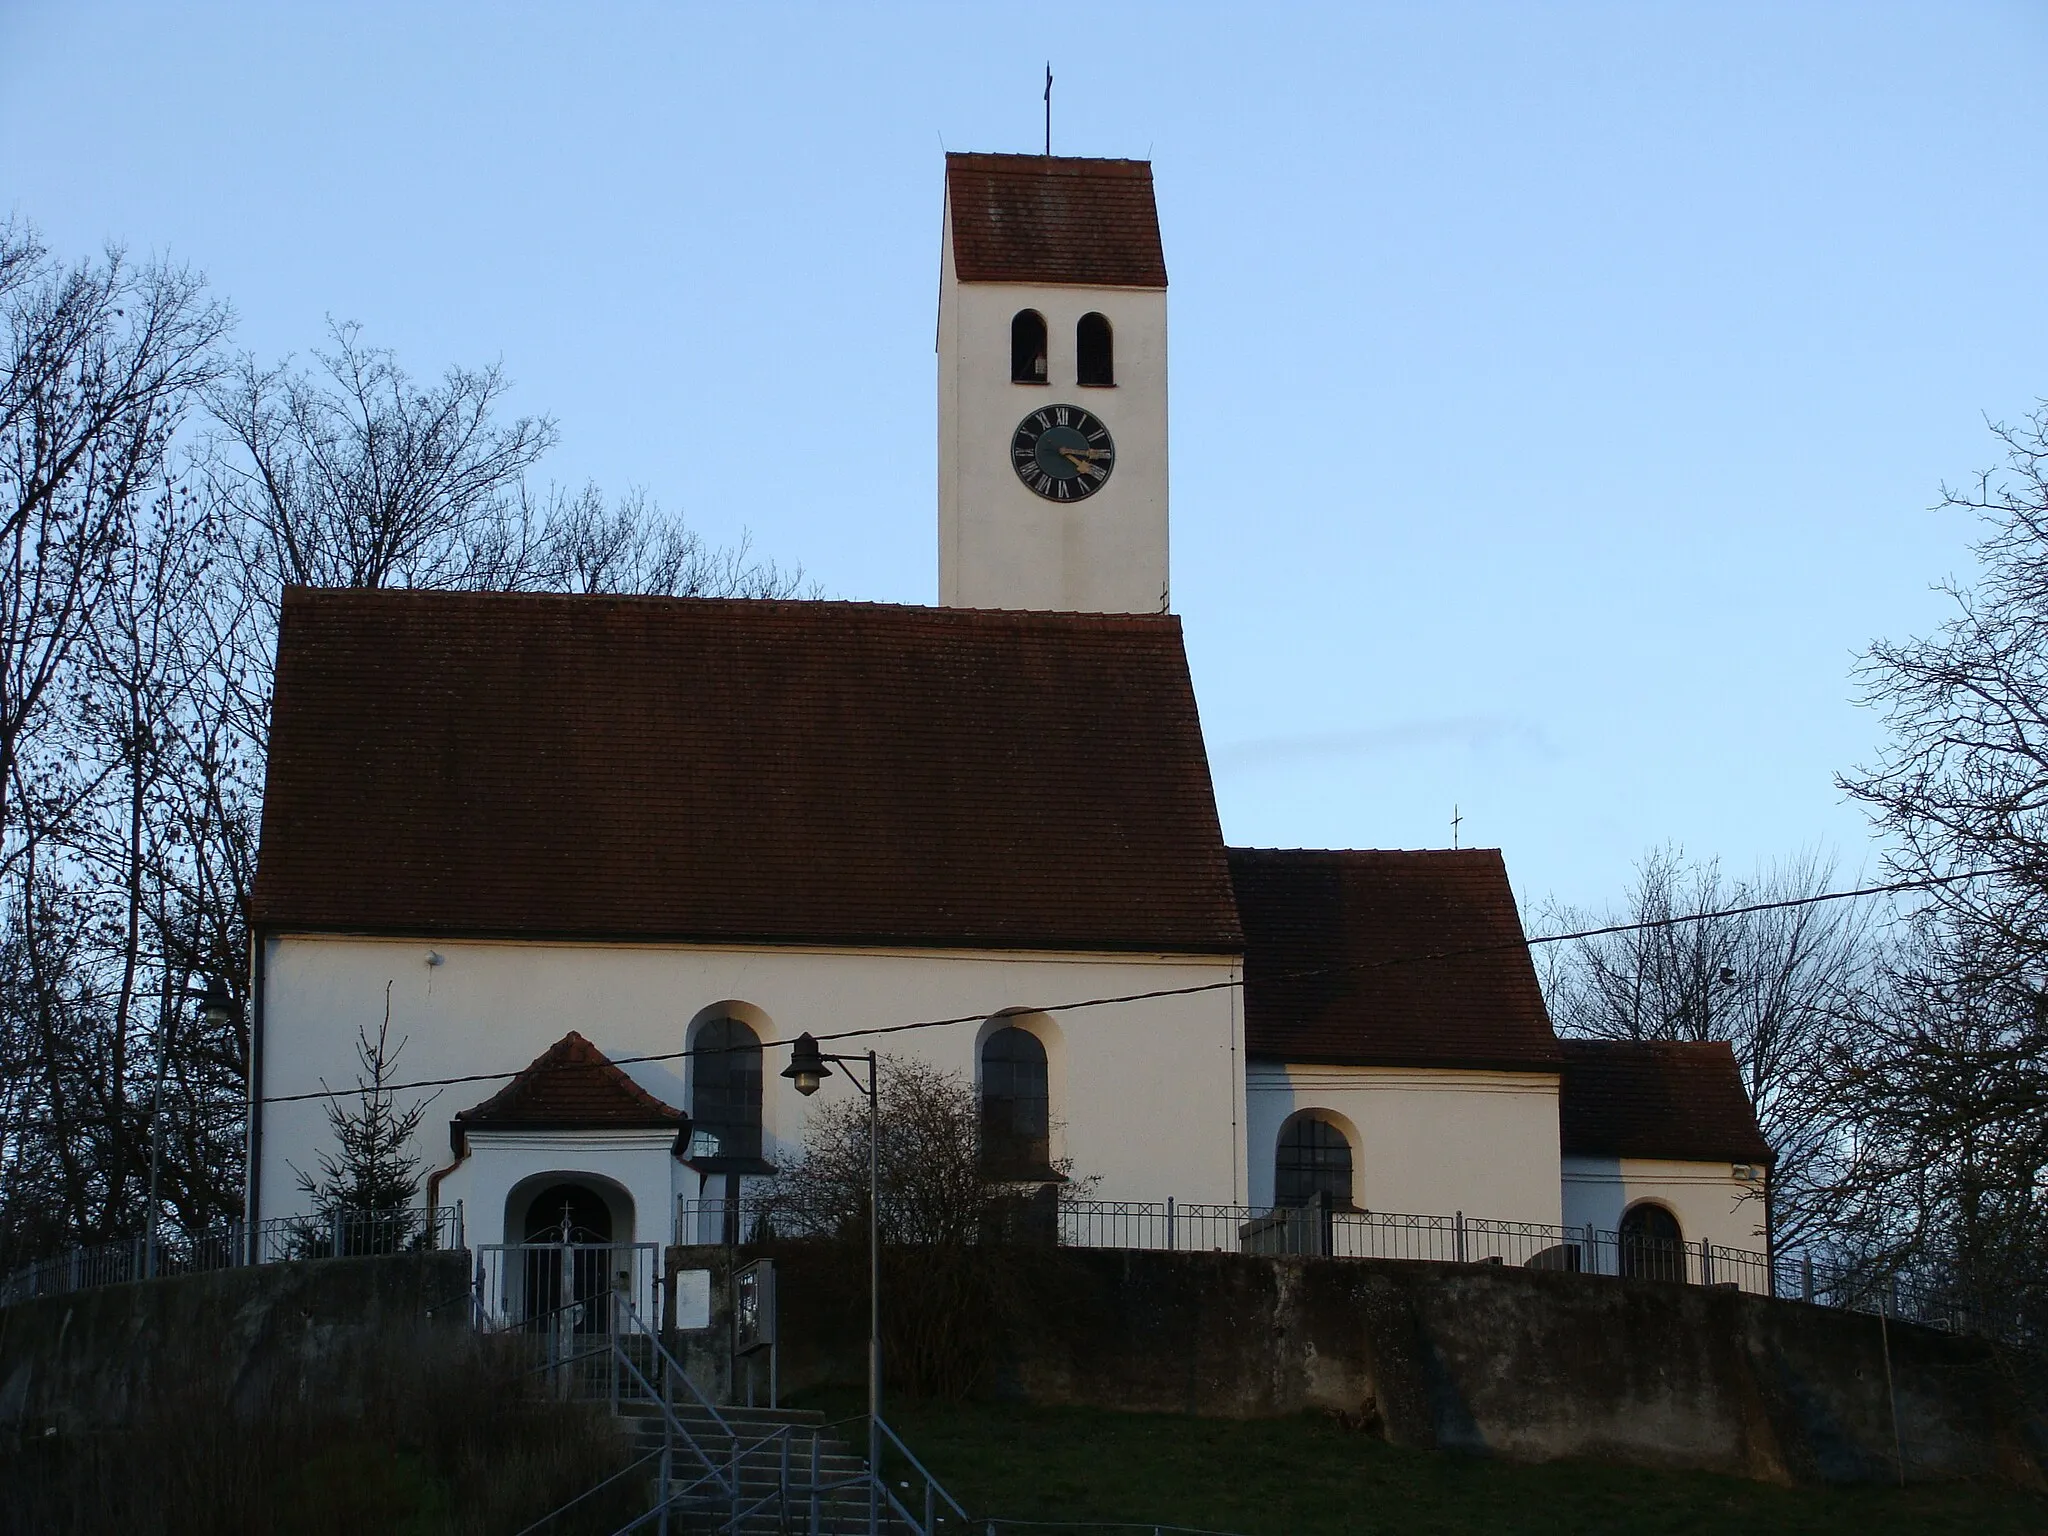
(1658,1098)
(777,772)
(1414,959)
(571,1085)
(1050,219)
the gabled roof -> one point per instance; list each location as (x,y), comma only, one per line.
(738,771)
(1658,1098)
(1052,219)
(1388,958)
(571,1086)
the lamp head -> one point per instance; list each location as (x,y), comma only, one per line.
(216,1006)
(806,1067)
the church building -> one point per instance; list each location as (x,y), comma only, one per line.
(605,857)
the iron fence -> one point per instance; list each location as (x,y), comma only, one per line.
(336,1234)
(516,1283)
(1322,1231)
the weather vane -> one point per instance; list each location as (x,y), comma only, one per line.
(1048,109)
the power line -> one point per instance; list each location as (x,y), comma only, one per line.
(1235,983)
(1893,888)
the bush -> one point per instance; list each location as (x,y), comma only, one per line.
(450,1436)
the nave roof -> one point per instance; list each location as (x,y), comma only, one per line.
(696,770)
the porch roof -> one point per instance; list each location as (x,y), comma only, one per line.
(571,1086)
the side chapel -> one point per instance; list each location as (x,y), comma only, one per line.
(565,832)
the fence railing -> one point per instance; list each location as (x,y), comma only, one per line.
(336,1234)
(516,1283)
(1322,1231)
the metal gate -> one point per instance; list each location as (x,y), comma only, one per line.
(525,1285)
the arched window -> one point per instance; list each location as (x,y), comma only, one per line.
(1313,1159)
(1652,1247)
(1027,348)
(1016,1106)
(725,1096)
(1095,350)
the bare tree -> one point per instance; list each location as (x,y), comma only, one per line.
(944,1218)
(1779,985)
(141,566)
(633,546)
(102,361)
(1949,1078)
(356,476)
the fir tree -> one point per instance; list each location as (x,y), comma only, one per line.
(371,1169)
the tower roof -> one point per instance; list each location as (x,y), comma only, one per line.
(1054,219)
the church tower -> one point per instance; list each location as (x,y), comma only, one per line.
(1052,386)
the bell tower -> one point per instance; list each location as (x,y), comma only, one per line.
(1052,386)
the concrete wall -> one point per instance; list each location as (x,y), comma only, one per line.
(1001,545)
(1707,1198)
(97,1359)
(1528,1365)
(1151,1098)
(1423,1142)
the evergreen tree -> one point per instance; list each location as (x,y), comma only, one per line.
(370,1169)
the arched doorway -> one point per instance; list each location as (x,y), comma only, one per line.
(572,1213)
(1652,1247)
(566,1260)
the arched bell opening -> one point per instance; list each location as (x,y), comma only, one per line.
(1027,348)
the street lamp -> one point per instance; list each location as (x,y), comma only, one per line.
(807,1070)
(216,1007)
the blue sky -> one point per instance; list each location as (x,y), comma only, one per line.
(1600,361)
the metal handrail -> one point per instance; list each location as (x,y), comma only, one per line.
(675,1369)
(931,1483)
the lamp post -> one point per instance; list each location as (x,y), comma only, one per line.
(807,1070)
(216,1007)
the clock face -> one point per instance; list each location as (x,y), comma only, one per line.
(1062,452)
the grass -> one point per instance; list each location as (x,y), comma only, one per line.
(1309,1476)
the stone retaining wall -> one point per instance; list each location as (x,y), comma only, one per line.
(1518,1363)
(97,1359)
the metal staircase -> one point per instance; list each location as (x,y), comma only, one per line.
(712,1468)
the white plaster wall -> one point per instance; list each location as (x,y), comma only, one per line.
(1000,545)
(1152,1097)
(1707,1198)
(1428,1143)
(638,1162)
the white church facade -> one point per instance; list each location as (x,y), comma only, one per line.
(607,857)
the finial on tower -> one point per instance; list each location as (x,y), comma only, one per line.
(1048,109)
